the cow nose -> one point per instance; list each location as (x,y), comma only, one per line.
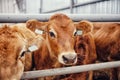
(69,59)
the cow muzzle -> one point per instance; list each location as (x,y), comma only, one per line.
(67,58)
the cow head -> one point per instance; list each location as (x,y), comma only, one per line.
(59,33)
(13,46)
(84,45)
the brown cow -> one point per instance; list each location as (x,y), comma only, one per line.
(14,43)
(107,40)
(109,48)
(86,51)
(57,50)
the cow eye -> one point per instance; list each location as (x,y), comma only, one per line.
(75,33)
(23,53)
(52,34)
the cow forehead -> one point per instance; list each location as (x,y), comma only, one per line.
(69,28)
(10,44)
(61,21)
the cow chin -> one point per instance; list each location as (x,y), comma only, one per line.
(67,58)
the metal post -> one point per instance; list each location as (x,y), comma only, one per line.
(71,6)
(76,5)
(41,5)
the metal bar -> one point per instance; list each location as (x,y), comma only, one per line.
(14,18)
(90,2)
(69,70)
(71,6)
(41,5)
(76,5)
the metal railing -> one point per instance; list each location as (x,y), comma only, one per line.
(14,18)
(69,70)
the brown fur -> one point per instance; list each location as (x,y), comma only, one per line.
(11,66)
(12,41)
(107,40)
(110,32)
(86,26)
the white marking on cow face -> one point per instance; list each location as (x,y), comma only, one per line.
(67,58)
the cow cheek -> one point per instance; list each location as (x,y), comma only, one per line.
(54,47)
(20,68)
(17,70)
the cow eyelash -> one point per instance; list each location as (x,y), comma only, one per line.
(52,34)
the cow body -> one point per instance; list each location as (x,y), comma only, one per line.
(13,44)
(107,40)
(110,46)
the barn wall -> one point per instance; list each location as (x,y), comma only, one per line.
(105,7)
(34,6)
(8,6)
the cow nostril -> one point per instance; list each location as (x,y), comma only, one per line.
(65,59)
(74,57)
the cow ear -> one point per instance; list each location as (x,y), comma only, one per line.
(36,26)
(84,26)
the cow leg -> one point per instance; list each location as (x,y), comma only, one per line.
(105,74)
(118,73)
(79,76)
(41,78)
(90,75)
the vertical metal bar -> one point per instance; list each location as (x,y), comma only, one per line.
(71,6)
(41,5)
(0,6)
(76,7)
(118,8)
(24,2)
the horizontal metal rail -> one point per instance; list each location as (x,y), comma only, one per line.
(15,18)
(76,5)
(69,70)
